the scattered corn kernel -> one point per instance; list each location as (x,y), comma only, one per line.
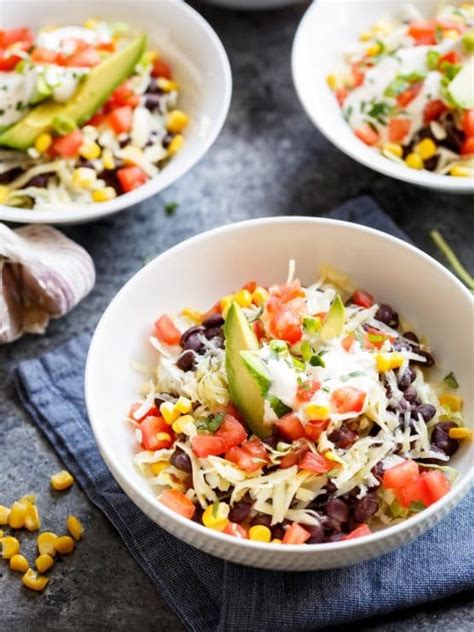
(32,517)
(373,50)
(64,544)
(276,541)
(10,547)
(175,145)
(90,150)
(192,314)
(4,513)
(16,518)
(460,433)
(387,361)
(104,195)
(157,468)
(163,436)
(394,148)
(225,303)
(176,121)
(44,562)
(91,23)
(243,298)
(19,563)
(260,296)
(108,159)
(32,580)
(414,161)
(461,172)
(313,411)
(4,193)
(215,516)
(365,37)
(62,480)
(75,527)
(169,412)
(332,456)
(45,542)
(166,84)
(334,82)
(43,143)
(453,402)
(183,405)
(84,177)
(184,425)
(426,149)
(451,34)
(260,533)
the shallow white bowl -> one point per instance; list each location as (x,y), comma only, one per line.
(325,32)
(200,66)
(200,270)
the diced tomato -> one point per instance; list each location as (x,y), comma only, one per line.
(7,38)
(231,409)
(348,399)
(256,449)
(452,58)
(251,286)
(43,55)
(290,427)
(315,463)
(451,25)
(120,119)
(374,339)
(398,129)
(468,123)
(206,445)
(108,47)
(357,75)
(294,457)
(436,483)
(85,58)
(166,331)
(151,411)
(314,428)
(401,475)
(363,529)
(433,110)
(410,94)
(9,59)
(306,391)
(415,492)
(423,31)
(363,298)
(235,529)
(367,134)
(151,428)
(286,325)
(242,459)
(179,502)
(467,147)
(296,534)
(161,69)
(258,329)
(287,292)
(123,95)
(341,95)
(131,178)
(97,120)
(231,431)
(347,342)
(67,145)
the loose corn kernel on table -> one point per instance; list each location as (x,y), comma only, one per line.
(269,160)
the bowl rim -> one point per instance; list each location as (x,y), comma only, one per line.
(455,493)
(95,211)
(363,154)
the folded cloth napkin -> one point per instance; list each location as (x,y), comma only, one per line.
(212,595)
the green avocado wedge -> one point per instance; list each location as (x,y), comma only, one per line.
(461,87)
(89,97)
(245,390)
(257,370)
(334,322)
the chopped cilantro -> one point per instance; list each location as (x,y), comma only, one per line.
(432,59)
(417,506)
(402,83)
(170,208)
(279,408)
(379,111)
(451,380)
(211,423)
(316,360)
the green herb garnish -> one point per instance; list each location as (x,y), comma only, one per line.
(417,506)
(432,59)
(311,324)
(451,380)
(170,208)
(279,408)
(210,424)
(316,360)
(379,111)
(401,83)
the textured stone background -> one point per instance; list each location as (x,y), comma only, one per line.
(269,160)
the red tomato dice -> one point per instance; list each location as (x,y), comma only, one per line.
(294,457)
(347,342)
(256,449)
(131,178)
(12,36)
(242,459)
(358,532)
(290,427)
(414,492)
(348,399)
(296,534)
(67,145)
(43,56)
(357,75)
(236,530)
(315,463)
(166,332)
(85,58)
(436,483)
(367,134)
(286,325)
(177,501)
(207,445)
(258,329)
(161,69)
(433,110)
(409,95)
(452,58)
(151,411)
(251,286)
(401,475)
(120,119)
(231,431)
(467,147)
(468,123)
(341,95)
(398,129)
(314,428)
(123,95)
(423,32)
(363,298)
(306,391)
(153,431)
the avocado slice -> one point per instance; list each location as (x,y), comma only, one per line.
(244,389)
(461,87)
(257,370)
(334,322)
(91,94)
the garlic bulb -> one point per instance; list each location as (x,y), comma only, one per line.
(43,275)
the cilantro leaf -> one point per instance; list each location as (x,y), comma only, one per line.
(451,380)
(170,208)
(417,506)
(210,424)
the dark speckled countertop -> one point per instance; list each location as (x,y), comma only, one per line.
(269,160)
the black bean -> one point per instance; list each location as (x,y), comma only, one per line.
(213,332)
(191,330)
(167,140)
(378,470)
(181,461)
(408,376)
(239,512)
(152,87)
(337,509)
(335,537)
(330,487)
(427,411)
(410,335)
(214,320)
(158,401)
(272,441)
(343,437)
(124,142)
(9,176)
(278,531)
(330,525)
(194,342)
(365,507)
(186,360)
(316,532)
(387,315)
(410,394)
(153,102)
(261,519)
(440,437)
(40,181)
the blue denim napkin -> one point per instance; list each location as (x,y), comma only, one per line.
(209,594)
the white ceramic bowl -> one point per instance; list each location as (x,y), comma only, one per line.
(200,270)
(200,66)
(253,5)
(325,32)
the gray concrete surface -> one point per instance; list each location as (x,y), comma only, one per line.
(268,161)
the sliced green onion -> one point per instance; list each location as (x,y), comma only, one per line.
(457,266)
(451,380)
(316,360)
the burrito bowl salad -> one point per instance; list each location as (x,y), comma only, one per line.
(407,89)
(291,414)
(86,113)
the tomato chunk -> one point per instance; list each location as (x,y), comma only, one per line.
(286,325)
(314,428)
(363,529)
(151,411)
(120,119)
(290,427)
(161,69)
(43,56)
(348,399)
(131,178)
(294,457)
(166,331)
(347,342)
(363,298)
(423,32)
(243,459)
(315,463)
(306,391)
(207,445)
(398,129)
(256,449)
(467,147)
(296,534)
(401,475)
(12,36)
(123,95)
(468,123)
(410,94)
(436,483)
(236,530)
(367,134)
(156,433)
(67,145)
(433,110)
(177,501)
(414,492)
(231,431)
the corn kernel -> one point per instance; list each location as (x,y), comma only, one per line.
(192,314)
(332,456)
(183,405)
(91,23)
(4,193)
(461,172)
(64,544)
(414,161)
(260,533)
(366,36)
(45,542)
(83,177)
(19,563)
(44,562)
(90,150)
(32,580)
(313,411)
(32,518)
(451,34)
(163,436)
(276,541)
(260,296)
(166,84)
(104,195)
(387,361)
(75,527)
(183,425)
(215,516)
(426,149)
(43,143)
(169,412)
(62,480)
(225,303)
(453,402)
(4,513)
(334,82)
(394,148)
(373,50)
(176,121)
(10,547)
(460,433)
(16,519)
(108,160)
(243,298)
(175,145)
(157,468)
